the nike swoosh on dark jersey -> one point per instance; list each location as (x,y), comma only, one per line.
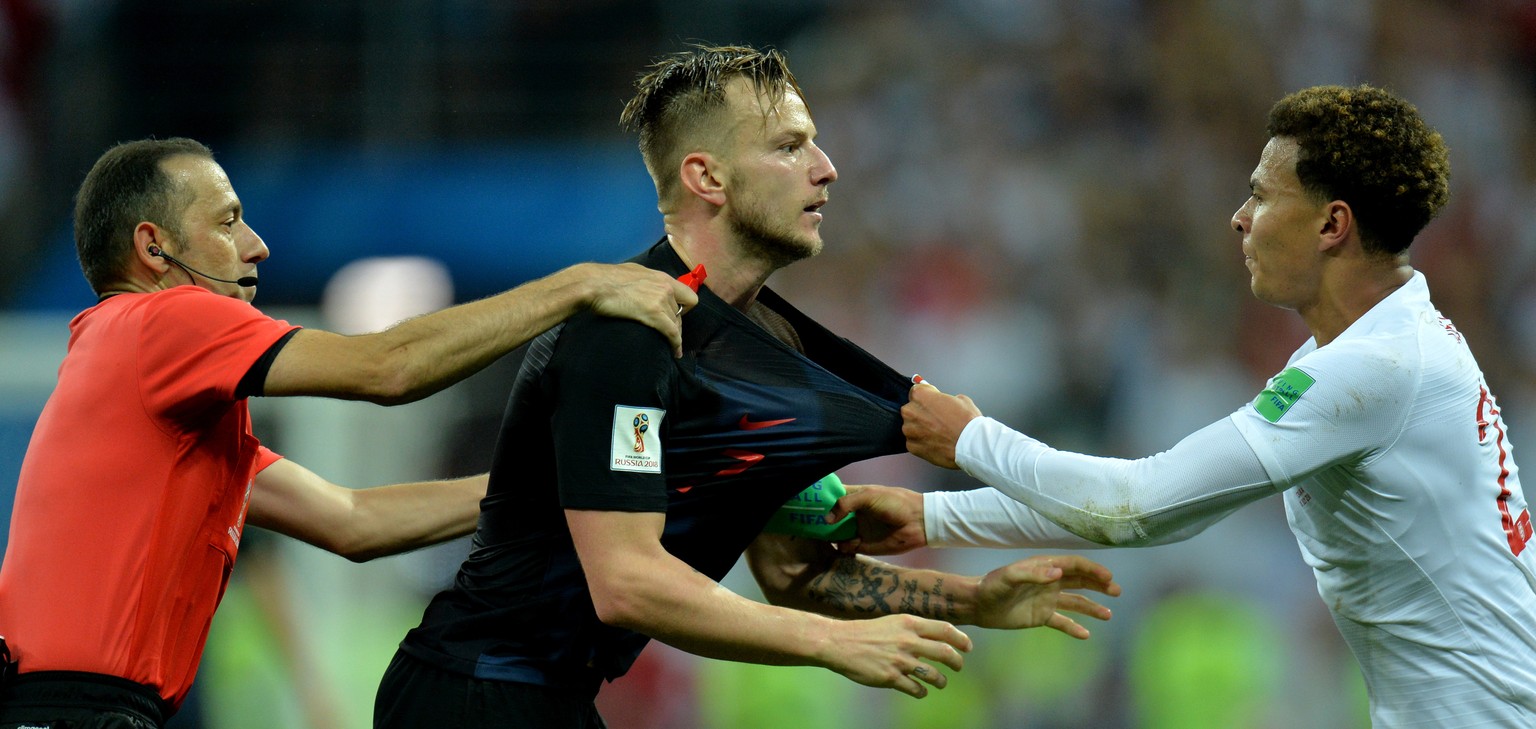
(748,459)
(746,424)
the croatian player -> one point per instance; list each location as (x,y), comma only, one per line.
(627,482)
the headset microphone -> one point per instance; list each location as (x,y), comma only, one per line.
(243,281)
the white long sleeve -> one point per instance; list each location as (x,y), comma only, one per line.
(1102,501)
(988,518)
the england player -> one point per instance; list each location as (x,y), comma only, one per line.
(1381,433)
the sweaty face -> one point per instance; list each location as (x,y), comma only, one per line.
(214,237)
(1281,224)
(779,178)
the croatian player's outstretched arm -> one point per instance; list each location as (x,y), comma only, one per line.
(637,584)
(810,575)
(1103,501)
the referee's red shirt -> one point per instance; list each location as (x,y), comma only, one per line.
(134,489)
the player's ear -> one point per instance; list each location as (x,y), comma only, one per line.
(703,176)
(1337,226)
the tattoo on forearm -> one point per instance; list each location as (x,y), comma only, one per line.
(931,603)
(861,587)
(935,602)
(855,586)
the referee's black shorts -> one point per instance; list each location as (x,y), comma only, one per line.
(417,695)
(72,700)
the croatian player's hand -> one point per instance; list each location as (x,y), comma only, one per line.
(932,422)
(889,520)
(1031,592)
(897,651)
(632,291)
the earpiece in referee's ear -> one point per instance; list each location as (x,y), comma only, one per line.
(154,250)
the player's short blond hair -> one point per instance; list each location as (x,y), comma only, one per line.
(680,99)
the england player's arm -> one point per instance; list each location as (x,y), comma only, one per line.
(1302,424)
(810,575)
(1044,498)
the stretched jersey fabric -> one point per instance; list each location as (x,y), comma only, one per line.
(603,417)
(134,489)
(1400,487)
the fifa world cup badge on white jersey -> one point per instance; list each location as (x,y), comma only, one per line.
(1283,392)
(636,439)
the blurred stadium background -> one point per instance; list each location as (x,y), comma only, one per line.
(1033,209)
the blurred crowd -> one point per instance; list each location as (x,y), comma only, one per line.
(1033,208)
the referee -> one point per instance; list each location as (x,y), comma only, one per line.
(142,471)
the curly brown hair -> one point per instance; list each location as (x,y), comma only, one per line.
(678,97)
(1371,149)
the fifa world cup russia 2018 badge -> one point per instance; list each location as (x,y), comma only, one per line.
(635,440)
(642,423)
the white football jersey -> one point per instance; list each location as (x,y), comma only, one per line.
(1403,494)
(1399,484)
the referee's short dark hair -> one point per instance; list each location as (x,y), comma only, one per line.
(125,187)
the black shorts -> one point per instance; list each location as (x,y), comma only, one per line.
(70,700)
(416,695)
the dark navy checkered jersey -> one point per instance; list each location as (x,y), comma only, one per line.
(745,422)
